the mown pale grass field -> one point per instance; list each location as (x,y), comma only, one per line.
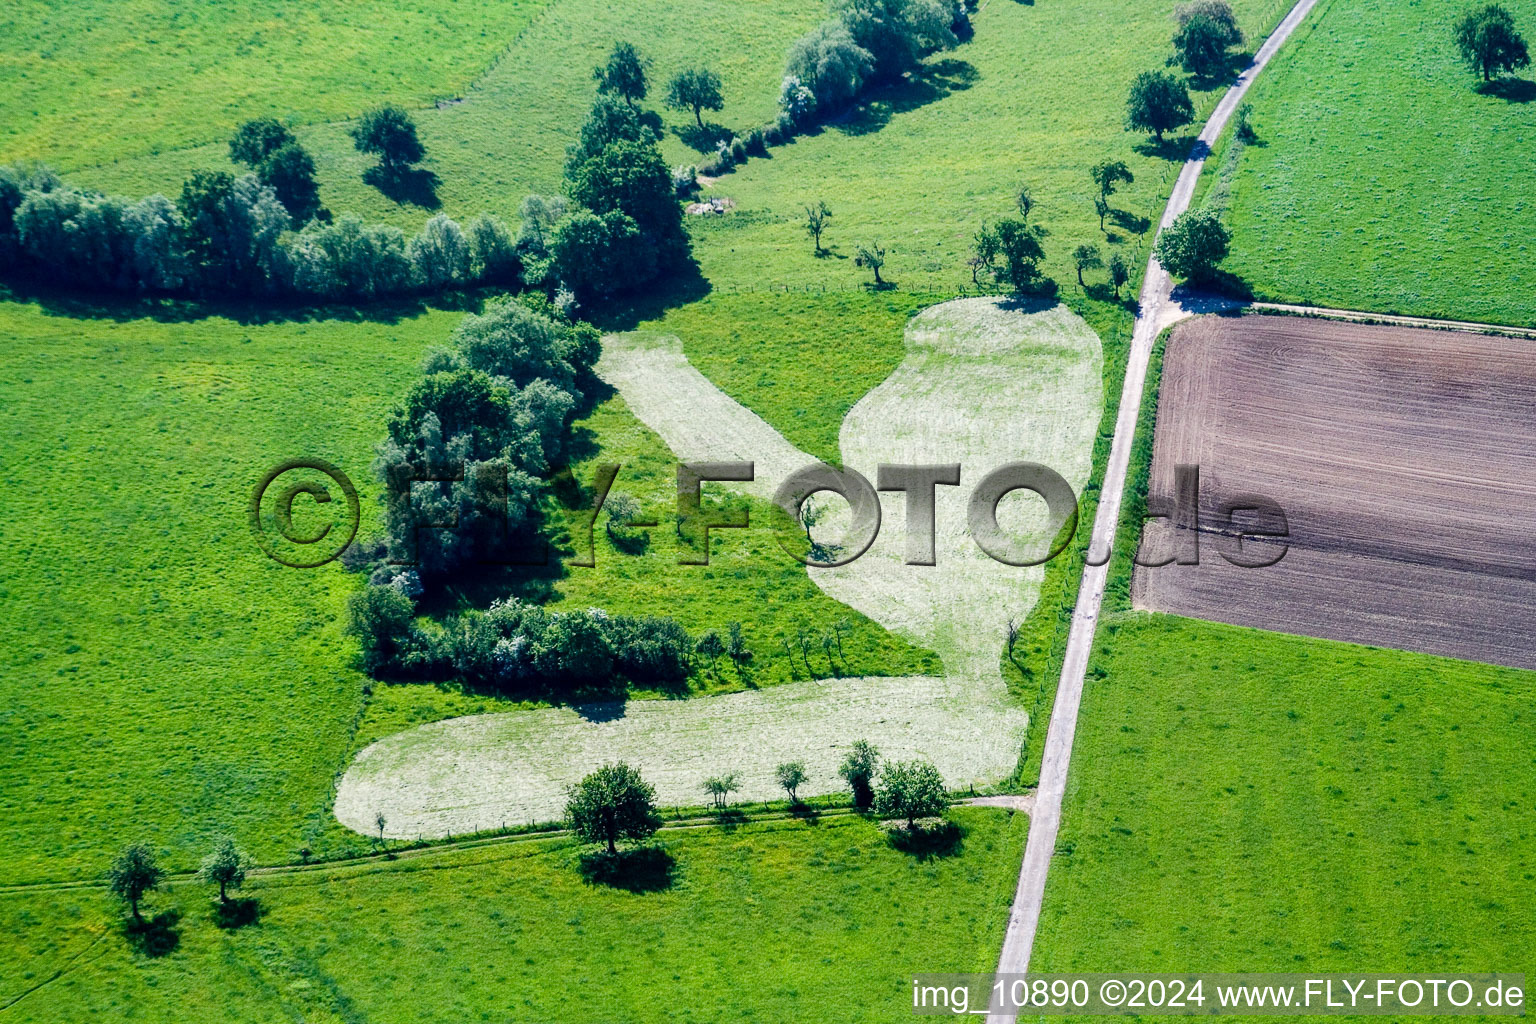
(510,932)
(90,82)
(1385,181)
(1246,801)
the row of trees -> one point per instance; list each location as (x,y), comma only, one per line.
(235,234)
(614,804)
(136,872)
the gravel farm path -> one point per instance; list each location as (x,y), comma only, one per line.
(1158,311)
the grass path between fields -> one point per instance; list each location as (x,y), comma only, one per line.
(984,383)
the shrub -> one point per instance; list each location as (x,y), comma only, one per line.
(383,620)
(493,252)
(738,151)
(756,142)
(440,255)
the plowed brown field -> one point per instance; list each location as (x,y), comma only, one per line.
(1405,462)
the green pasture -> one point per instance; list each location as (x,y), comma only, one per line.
(1384,179)
(511,932)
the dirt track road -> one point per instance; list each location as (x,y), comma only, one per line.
(1158,310)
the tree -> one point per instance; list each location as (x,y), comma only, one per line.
(710,646)
(632,178)
(624,73)
(233,226)
(1245,131)
(225,867)
(1108,174)
(1086,257)
(612,804)
(388,133)
(441,254)
(1192,245)
(984,252)
(383,620)
(910,790)
(830,64)
(1206,29)
(609,121)
(290,173)
(816,218)
(133,874)
(256,140)
(379,822)
(1158,103)
(1101,207)
(1019,247)
(858,770)
(897,33)
(736,648)
(1488,42)
(791,776)
(720,787)
(870,256)
(695,89)
(540,215)
(596,256)
(1025,201)
(1119,273)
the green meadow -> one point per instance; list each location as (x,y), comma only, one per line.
(777,921)
(1384,179)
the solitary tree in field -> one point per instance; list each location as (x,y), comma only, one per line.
(1109,175)
(1158,103)
(1206,29)
(910,790)
(388,133)
(710,646)
(225,867)
(256,140)
(695,89)
(791,776)
(1101,207)
(133,874)
(1192,245)
(1119,273)
(1489,43)
(871,257)
(1025,201)
(858,770)
(1086,257)
(612,804)
(816,218)
(624,73)
(379,821)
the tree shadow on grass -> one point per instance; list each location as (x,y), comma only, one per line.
(237,913)
(156,936)
(1175,148)
(414,186)
(678,287)
(1128,221)
(1511,90)
(1235,64)
(928,84)
(639,870)
(704,140)
(248,311)
(929,839)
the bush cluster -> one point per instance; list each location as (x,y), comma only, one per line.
(518,647)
